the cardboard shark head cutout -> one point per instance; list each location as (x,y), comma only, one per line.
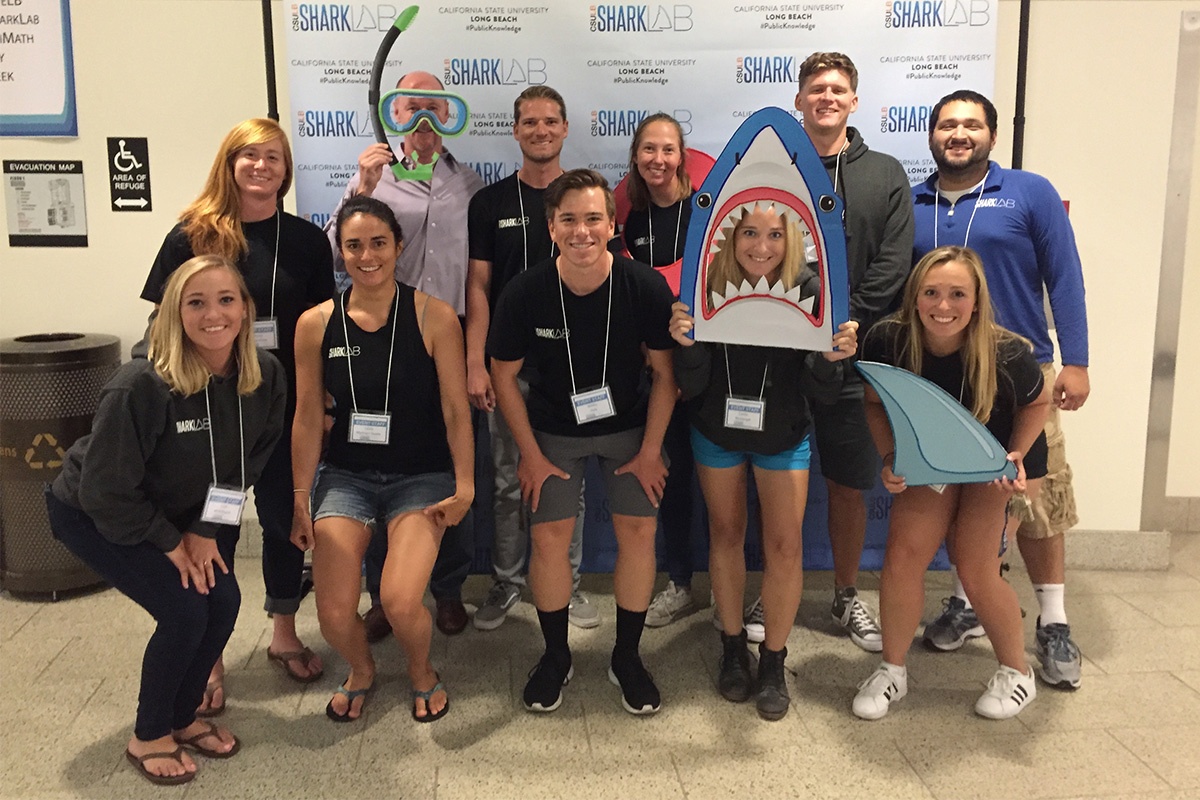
(769,165)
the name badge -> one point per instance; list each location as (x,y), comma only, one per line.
(266,333)
(223,505)
(370,428)
(592,405)
(744,414)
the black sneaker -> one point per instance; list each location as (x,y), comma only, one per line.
(543,690)
(639,695)
(772,698)
(733,679)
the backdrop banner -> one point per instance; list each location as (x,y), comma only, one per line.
(708,63)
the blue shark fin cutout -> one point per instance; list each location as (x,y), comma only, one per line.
(769,161)
(937,439)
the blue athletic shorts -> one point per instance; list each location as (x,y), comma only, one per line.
(710,454)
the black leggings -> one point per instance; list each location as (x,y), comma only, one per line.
(282,561)
(192,628)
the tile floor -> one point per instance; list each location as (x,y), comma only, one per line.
(68,680)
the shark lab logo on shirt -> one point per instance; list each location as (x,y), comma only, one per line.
(192,425)
(904,119)
(936,13)
(343,17)
(656,18)
(765,68)
(494,71)
(329,123)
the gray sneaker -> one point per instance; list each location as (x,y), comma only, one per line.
(855,619)
(954,625)
(671,604)
(756,630)
(500,599)
(1060,657)
(582,613)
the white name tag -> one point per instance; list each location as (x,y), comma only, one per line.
(266,333)
(223,505)
(368,428)
(593,404)
(745,414)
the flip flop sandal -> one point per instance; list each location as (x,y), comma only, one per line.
(285,660)
(350,694)
(210,691)
(139,763)
(193,742)
(418,694)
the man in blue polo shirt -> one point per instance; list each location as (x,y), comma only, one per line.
(1016,221)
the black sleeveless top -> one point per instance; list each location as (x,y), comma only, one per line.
(417,441)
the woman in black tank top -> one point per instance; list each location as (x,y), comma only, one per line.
(400,451)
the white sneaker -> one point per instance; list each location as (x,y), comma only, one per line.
(671,604)
(581,613)
(1008,692)
(878,692)
(756,630)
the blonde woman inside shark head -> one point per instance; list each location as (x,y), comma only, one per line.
(761,251)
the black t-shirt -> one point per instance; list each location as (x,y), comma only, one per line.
(529,322)
(670,226)
(506,223)
(304,277)
(1019,381)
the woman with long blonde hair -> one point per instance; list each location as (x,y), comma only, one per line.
(287,264)
(151,499)
(945,331)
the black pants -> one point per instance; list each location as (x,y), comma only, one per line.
(282,561)
(675,510)
(192,628)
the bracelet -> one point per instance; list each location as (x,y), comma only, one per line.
(301,491)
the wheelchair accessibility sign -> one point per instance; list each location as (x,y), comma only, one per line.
(129,174)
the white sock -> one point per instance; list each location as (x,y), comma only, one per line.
(1050,601)
(959,591)
(895,671)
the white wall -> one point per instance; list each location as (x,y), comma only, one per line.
(1101,84)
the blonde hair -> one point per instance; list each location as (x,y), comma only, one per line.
(724,267)
(983,336)
(635,187)
(171,352)
(213,222)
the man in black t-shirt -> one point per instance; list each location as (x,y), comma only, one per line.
(507,235)
(582,320)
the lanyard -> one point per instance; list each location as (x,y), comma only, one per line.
(212,450)
(350,364)
(650,233)
(567,330)
(729,381)
(937,199)
(524,230)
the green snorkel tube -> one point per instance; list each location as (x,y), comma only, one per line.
(381,119)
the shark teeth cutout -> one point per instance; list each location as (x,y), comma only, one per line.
(761,288)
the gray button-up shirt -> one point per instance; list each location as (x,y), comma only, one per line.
(433,219)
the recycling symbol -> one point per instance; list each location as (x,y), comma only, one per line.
(56,456)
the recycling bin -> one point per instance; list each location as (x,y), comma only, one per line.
(49,390)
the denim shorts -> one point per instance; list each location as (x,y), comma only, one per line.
(368,496)
(710,454)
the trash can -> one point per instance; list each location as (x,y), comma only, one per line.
(49,389)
